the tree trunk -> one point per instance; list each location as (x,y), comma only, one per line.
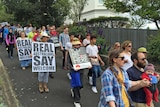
(156,24)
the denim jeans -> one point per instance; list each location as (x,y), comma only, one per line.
(96,70)
(43,76)
(25,63)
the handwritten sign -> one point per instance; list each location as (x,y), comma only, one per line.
(79,58)
(55,40)
(24,48)
(43,57)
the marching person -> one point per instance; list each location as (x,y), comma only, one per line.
(10,41)
(63,39)
(92,51)
(24,63)
(43,76)
(115,83)
(127,47)
(76,76)
(135,74)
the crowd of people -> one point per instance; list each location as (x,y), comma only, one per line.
(129,81)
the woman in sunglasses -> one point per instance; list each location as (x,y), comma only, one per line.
(115,83)
(127,47)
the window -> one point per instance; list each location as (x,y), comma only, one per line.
(101,2)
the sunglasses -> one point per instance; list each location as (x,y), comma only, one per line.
(129,46)
(143,59)
(122,57)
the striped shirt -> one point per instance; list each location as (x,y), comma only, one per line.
(111,89)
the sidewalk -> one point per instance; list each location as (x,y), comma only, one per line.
(7,95)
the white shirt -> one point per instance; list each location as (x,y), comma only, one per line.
(92,50)
(86,41)
(129,63)
(68,45)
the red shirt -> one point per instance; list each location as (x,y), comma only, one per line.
(53,33)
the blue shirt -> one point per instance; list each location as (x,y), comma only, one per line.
(63,39)
(5,32)
(139,95)
(111,89)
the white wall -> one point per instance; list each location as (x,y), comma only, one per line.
(94,9)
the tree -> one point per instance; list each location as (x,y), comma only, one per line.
(146,9)
(77,6)
(137,22)
(38,12)
(4,17)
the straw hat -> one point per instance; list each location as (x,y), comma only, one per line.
(44,34)
(76,41)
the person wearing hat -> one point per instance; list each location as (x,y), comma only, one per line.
(76,75)
(43,76)
(144,51)
(152,91)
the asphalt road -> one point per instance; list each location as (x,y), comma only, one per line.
(25,85)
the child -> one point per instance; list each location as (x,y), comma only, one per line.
(152,91)
(76,76)
(10,41)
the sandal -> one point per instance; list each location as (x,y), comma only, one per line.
(46,89)
(41,90)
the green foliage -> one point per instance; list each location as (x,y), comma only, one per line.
(137,22)
(3,15)
(154,48)
(82,30)
(39,12)
(146,9)
(117,5)
(102,19)
(78,30)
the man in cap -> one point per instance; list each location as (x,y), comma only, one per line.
(144,51)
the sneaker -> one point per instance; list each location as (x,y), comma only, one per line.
(77,104)
(23,68)
(90,81)
(72,94)
(69,76)
(11,57)
(51,76)
(94,89)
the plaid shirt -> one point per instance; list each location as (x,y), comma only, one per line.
(64,38)
(111,89)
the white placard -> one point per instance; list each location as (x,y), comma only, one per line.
(24,48)
(79,58)
(43,57)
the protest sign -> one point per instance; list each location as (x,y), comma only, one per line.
(55,40)
(43,57)
(79,58)
(24,48)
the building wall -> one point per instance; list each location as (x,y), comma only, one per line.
(94,9)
